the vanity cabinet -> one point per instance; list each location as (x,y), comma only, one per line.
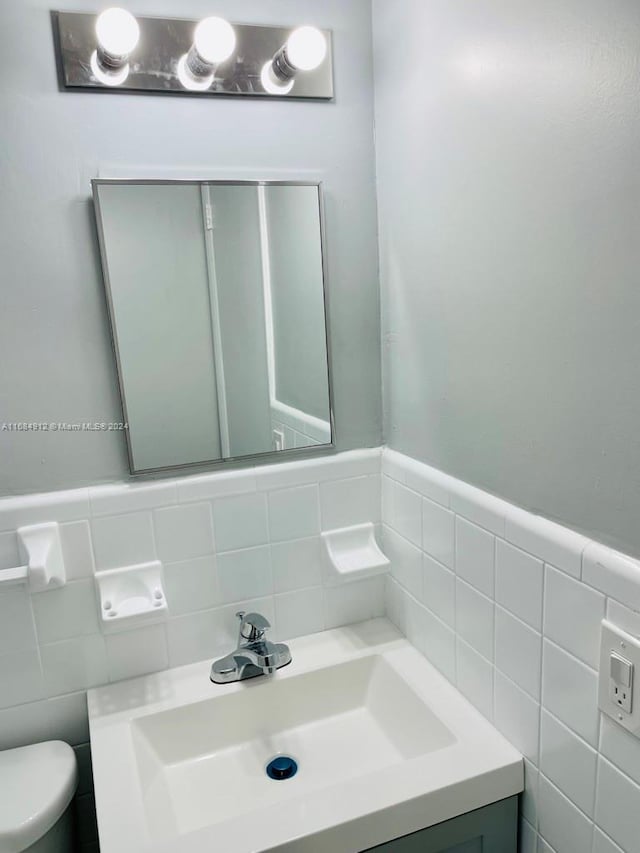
(493,828)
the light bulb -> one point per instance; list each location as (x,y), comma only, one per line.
(189,80)
(117,32)
(271,84)
(306,48)
(215,40)
(108,76)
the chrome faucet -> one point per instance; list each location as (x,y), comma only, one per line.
(254,656)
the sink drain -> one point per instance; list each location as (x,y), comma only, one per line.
(281,768)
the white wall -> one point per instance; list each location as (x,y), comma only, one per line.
(508,162)
(55,357)
(508,606)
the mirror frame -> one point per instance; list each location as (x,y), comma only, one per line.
(273,456)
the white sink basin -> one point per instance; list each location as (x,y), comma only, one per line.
(385,747)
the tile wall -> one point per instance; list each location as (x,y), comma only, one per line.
(508,606)
(247,539)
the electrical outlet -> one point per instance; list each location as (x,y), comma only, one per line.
(619,680)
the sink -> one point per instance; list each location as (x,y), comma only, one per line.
(383,744)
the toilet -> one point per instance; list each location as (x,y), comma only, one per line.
(37,784)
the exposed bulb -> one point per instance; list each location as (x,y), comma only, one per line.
(117,32)
(108,76)
(306,48)
(215,40)
(191,81)
(271,84)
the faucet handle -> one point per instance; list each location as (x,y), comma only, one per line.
(252,626)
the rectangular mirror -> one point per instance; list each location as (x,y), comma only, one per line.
(216,297)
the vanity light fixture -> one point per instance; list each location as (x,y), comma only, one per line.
(305,50)
(214,42)
(116,52)
(117,35)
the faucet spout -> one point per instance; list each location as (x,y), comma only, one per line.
(254,656)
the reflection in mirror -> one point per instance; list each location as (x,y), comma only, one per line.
(217,304)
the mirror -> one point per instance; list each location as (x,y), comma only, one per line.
(217,305)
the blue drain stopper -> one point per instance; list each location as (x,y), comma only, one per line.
(281,768)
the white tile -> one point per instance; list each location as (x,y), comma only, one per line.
(547,540)
(439,591)
(475,550)
(568,762)
(297,565)
(294,513)
(618,807)
(561,823)
(75,537)
(519,583)
(183,532)
(570,692)
(480,507)
(603,844)
(138,652)
(517,717)
(406,561)
(123,540)
(69,718)
(121,498)
(397,605)
(337,466)
(221,484)
(518,652)
(543,847)
(299,613)
(9,554)
(198,636)
(475,619)
(387,494)
(428,481)
(623,617)
(475,678)
(354,602)
(68,612)
(529,798)
(572,616)
(406,517)
(240,522)
(21,678)
(613,573)
(394,465)
(348,502)
(25,724)
(74,665)
(434,639)
(17,631)
(438,532)
(527,838)
(244,574)
(191,585)
(26,510)
(620,747)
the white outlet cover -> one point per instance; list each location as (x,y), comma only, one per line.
(618,642)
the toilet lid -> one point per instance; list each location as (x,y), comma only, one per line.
(37,784)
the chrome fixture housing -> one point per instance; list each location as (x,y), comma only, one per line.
(168,58)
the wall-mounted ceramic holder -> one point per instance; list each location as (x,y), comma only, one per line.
(41,550)
(353,554)
(131,597)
